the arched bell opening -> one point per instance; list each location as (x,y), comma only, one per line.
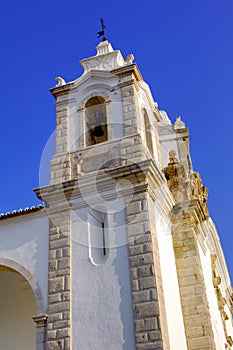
(18,306)
(96,121)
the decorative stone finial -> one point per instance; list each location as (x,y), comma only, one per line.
(129,59)
(165,121)
(179,124)
(60,81)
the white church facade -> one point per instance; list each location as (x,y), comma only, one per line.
(123,255)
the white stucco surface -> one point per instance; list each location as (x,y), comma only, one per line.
(25,241)
(217,324)
(101,303)
(175,322)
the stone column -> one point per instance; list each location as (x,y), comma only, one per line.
(195,308)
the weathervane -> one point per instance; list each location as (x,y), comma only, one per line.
(102,32)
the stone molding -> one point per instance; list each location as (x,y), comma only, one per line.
(40,320)
(127,70)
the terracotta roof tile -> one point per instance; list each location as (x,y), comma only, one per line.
(20,212)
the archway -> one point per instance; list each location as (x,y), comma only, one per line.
(22,318)
(18,306)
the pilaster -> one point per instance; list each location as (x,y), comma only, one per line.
(145,275)
(195,308)
(145,279)
(59,285)
(59,267)
(128,77)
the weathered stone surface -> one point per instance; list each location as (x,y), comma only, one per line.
(59,296)
(142,255)
(194,302)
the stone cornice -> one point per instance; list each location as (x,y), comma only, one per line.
(126,83)
(144,176)
(129,69)
(61,89)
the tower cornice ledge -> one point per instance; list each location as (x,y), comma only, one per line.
(143,176)
(61,89)
(129,69)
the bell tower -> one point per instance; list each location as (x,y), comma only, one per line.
(114,276)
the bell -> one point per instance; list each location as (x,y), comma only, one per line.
(98,131)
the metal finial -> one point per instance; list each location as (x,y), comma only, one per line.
(102,32)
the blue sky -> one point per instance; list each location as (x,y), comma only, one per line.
(184,50)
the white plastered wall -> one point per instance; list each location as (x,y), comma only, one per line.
(101,303)
(209,243)
(24,241)
(173,308)
(217,325)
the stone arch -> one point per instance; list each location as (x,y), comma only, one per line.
(105,96)
(85,134)
(29,278)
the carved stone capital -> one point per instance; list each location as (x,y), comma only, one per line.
(40,320)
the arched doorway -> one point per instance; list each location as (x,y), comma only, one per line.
(18,306)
